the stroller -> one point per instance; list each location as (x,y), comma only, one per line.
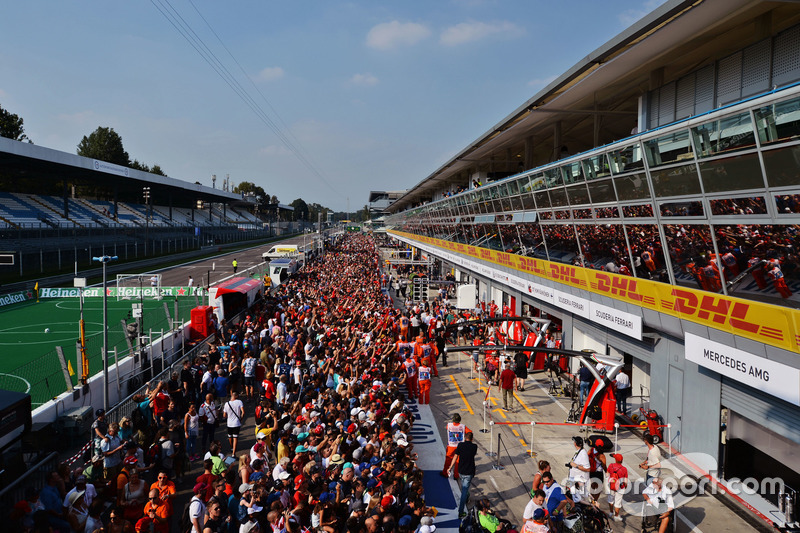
(585,517)
(472,523)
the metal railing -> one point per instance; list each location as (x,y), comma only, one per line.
(32,477)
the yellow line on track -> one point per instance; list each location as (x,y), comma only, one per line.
(530,411)
(462,395)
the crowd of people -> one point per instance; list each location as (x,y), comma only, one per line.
(318,368)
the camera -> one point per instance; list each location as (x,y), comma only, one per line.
(568,465)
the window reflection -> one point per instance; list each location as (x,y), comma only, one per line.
(754,205)
(606,212)
(732,174)
(573,173)
(602,191)
(604,248)
(668,149)
(787,203)
(637,211)
(596,167)
(693,255)
(542,200)
(531,240)
(778,122)
(509,238)
(782,166)
(626,159)
(750,255)
(552,177)
(647,253)
(633,187)
(725,135)
(558,197)
(561,243)
(578,194)
(676,181)
(682,209)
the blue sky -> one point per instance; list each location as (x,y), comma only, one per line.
(374,95)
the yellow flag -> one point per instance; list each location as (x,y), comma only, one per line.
(36,288)
(69,367)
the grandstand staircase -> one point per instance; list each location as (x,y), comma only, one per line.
(165,217)
(91,207)
(11,224)
(50,209)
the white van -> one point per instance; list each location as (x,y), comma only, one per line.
(281,250)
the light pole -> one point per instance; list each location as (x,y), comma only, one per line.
(146,194)
(104,260)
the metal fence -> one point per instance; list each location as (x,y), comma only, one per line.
(33,477)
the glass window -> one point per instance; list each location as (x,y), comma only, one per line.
(682,209)
(512,187)
(606,212)
(578,195)
(531,240)
(596,167)
(582,214)
(603,246)
(637,211)
(646,250)
(729,134)
(602,191)
(668,149)
(626,159)
(558,197)
(676,181)
(787,203)
(506,203)
(545,215)
(753,205)
(527,201)
(516,203)
(732,174)
(573,173)
(537,182)
(778,122)
(509,238)
(782,166)
(552,177)
(561,243)
(542,200)
(562,214)
(633,187)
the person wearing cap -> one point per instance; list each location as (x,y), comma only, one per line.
(99,429)
(81,485)
(94,472)
(77,511)
(617,483)
(537,523)
(197,508)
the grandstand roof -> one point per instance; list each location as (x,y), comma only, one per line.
(595,102)
(25,160)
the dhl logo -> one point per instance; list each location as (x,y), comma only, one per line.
(624,287)
(504,259)
(564,273)
(485,254)
(721,311)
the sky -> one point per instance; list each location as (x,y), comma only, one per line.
(323,101)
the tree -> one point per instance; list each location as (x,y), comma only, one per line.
(274,200)
(248,187)
(106,145)
(11,126)
(300,209)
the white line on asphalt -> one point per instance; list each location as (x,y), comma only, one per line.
(692,528)
(548,395)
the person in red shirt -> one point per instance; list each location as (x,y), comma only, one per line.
(507,378)
(425,382)
(269,389)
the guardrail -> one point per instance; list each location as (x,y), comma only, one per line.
(32,477)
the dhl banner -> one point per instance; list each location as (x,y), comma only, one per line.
(770,324)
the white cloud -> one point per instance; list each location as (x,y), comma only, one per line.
(390,35)
(367,80)
(468,32)
(271,73)
(541,82)
(629,16)
(274,149)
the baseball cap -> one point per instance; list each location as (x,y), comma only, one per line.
(300,449)
(97,458)
(617,457)
(387,501)
(255,509)
(539,514)
(200,487)
(372,483)
(284,475)
(130,460)
(244,487)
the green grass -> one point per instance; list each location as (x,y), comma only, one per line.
(30,363)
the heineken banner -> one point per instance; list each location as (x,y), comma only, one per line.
(122,292)
(15,298)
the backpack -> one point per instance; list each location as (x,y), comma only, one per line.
(153,455)
(186,520)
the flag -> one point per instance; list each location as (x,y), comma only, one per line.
(69,367)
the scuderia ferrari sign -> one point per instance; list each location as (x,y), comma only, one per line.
(763,374)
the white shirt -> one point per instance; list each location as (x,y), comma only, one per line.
(623,381)
(581,459)
(234,411)
(209,411)
(197,509)
(527,514)
(659,497)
